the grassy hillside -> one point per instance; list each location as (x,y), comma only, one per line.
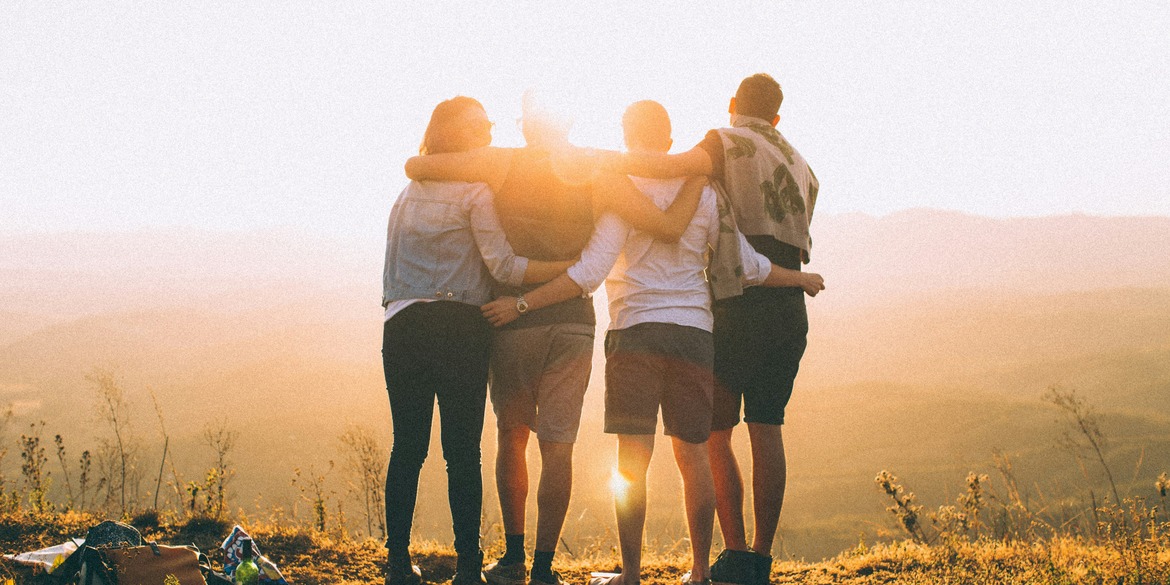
(308,557)
(880,388)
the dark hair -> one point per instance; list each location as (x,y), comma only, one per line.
(759,96)
(441,134)
(646,124)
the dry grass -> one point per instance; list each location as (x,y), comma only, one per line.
(309,557)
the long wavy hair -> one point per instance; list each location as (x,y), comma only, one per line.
(443,133)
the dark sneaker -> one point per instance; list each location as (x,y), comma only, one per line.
(499,573)
(399,571)
(735,567)
(763,569)
(469,570)
(555,580)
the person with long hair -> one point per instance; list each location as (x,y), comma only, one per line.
(444,250)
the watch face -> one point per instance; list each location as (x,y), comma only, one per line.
(521,306)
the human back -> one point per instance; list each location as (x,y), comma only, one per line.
(655,281)
(545,216)
(439,239)
(546,211)
(771,188)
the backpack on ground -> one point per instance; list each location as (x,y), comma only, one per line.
(151,564)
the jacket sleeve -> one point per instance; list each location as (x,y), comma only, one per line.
(499,257)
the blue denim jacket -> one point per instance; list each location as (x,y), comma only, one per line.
(444,242)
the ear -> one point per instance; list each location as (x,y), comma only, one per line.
(731,107)
(775,120)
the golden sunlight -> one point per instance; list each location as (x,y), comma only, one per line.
(618,484)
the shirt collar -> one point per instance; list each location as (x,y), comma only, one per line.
(739,121)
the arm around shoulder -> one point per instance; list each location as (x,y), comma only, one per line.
(811,282)
(617,194)
(504,310)
(481,165)
(655,165)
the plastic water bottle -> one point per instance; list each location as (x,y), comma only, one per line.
(247,572)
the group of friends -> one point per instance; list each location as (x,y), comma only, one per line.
(491,257)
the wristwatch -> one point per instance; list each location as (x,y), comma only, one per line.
(521,305)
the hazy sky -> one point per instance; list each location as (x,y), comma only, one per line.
(238,115)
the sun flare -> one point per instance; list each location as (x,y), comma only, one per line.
(618,484)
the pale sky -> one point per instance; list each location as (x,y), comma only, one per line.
(244,115)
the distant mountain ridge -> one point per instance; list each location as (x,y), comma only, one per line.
(866,258)
(863,258)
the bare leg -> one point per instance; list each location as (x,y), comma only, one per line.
(552,496)
(512,477)
(633,458)
(728,490)
(699,494)
(769,477)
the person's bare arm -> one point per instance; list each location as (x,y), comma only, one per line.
(545,270)
(586,275)
(759,271)
(503,310)
(481,165)
(811,282)
(617,194)
(654,165)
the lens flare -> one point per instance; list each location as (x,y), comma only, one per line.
(618,484)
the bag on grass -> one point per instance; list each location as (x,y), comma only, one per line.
(152,564)
(105,534)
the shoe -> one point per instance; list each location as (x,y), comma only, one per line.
(469,570)
(686,580)
(763,569)
(556,580)
(597,578)
(499,573)
(400,571)
(735,567)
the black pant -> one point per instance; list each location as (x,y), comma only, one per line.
(436,350)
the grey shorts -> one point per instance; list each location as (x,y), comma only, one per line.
(539,376)
(659,364)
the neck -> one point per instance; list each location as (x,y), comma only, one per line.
(744,120)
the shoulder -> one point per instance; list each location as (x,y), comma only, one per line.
(712,141)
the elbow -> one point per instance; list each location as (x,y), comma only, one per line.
(412,168)
(515,277)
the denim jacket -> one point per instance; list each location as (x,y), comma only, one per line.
(444,242)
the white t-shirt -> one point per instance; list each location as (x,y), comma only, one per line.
(654,281)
